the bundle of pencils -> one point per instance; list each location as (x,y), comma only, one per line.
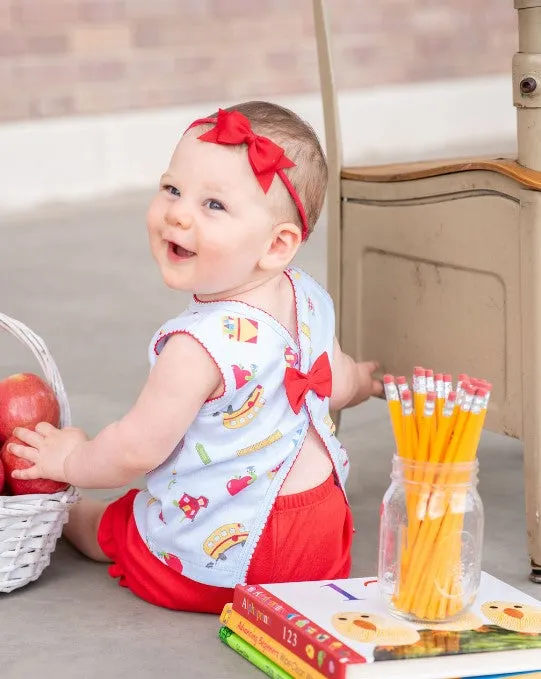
(437,430)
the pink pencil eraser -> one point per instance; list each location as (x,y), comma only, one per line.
(406,395)
(429,373)
(401,380)
(463,377)
(482,392)
(447,377)
(469,389)
(419,372)
(431,396)
(388,379)
(451,396)
(438,377)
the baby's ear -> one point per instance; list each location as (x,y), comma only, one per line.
(282,247)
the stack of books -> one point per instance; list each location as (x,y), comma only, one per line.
(342,629)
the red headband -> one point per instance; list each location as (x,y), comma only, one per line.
(266,157)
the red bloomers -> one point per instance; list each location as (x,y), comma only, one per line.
(307,537)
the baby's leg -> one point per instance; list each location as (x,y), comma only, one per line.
(82,527)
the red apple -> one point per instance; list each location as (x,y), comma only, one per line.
(25,400)
(22,486)
(2,475)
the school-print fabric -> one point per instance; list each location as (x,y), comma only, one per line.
(206,506)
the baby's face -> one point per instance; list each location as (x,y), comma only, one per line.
(210,221)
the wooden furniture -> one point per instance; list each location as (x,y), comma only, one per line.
(439,263)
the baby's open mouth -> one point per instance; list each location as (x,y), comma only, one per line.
(179,251)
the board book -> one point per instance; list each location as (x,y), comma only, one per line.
(274,671)
(343,630)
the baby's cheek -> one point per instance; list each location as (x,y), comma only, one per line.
(154,214)
(225,252)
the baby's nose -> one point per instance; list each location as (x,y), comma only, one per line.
(180,217)
(185,222)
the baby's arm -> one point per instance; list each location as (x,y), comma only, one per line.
(352,382)
(182,379)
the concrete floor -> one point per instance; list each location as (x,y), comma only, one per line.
(81,276)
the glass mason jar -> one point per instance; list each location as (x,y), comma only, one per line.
(430,541)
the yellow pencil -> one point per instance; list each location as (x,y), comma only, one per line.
(420,492)
(440,396)
(401,385)
(423,449)
(429,376)
(466,396)
(447,384)
(409,444)
(460,393)
(395,411)
(410,428)
(419,394)
(461,383)
(423,453)
(443,433)
(474,426)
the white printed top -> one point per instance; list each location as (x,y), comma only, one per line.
(206,506)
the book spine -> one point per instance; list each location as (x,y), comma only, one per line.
(269,647)
(288,627)
(251,654)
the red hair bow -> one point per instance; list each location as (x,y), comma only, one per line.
(266,157)
(318,379)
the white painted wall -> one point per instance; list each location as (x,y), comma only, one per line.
(72,158)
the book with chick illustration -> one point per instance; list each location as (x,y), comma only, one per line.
(351,628)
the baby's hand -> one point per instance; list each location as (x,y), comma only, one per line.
(367,385)
(48,448)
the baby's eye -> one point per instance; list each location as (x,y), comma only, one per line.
(171,189)
(215,204)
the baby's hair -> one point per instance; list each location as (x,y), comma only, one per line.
(301,145)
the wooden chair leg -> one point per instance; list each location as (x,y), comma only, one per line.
(532,460)
(333,146)
(530,234)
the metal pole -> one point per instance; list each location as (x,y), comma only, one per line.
(527,99)
(527,83)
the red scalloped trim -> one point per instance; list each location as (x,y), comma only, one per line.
(187,332)
(288,274)
(266,313)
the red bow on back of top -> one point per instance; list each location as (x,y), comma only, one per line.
(318,379)
(266,157)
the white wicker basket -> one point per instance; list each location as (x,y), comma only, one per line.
(31,524)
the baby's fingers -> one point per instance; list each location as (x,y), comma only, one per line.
(26,474)
(377,388)
(28,436)
(371,366)
(45,428)
(24,451)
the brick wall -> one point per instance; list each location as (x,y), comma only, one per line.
(72,57)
